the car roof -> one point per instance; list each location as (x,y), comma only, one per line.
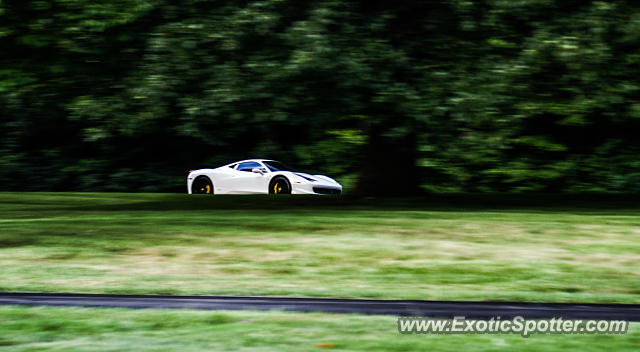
(247,160)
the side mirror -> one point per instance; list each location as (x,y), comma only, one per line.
(258,170)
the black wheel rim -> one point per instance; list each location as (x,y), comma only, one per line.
(202,186)
(280,186)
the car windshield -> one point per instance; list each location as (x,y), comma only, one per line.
(276,166)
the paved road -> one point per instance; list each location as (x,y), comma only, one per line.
(363,306)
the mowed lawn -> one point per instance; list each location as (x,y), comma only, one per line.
(109,329)
(320,246)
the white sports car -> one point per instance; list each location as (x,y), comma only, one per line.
(258,176)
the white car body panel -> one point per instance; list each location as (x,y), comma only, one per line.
(227,180)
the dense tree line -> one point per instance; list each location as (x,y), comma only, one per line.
(444,95)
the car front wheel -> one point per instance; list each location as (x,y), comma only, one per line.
(279,185)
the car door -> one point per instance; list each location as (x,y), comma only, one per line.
(222,177)
(245,181)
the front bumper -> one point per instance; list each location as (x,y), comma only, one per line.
(327,190)
(316,188)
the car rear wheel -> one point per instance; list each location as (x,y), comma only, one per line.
(202,185)
(279,185)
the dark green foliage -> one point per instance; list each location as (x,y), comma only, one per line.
(128,95)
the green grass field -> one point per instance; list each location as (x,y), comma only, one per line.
(446,248)
(179,244)
(92,329)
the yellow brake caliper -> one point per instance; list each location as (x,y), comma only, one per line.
(275,188)
(208,189)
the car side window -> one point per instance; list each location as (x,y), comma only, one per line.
(248,166)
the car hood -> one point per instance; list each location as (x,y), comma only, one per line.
(322,178)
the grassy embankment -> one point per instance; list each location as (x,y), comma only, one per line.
(453,249)
(108,329)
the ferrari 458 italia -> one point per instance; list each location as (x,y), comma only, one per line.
(258,176)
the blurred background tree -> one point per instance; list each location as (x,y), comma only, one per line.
(440,95)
